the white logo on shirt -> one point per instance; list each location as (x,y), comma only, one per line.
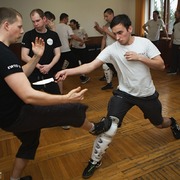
(14,66)
(49,41)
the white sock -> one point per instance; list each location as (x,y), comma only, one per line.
(92,128)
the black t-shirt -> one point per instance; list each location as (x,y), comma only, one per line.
(10,103)
(51,40)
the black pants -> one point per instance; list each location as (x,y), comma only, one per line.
(121,102)
(175,65)
(32,119)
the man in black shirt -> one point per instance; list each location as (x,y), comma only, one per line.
(25,111)
(46,67)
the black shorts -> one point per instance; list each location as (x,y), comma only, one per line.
(121,102)
(33,118)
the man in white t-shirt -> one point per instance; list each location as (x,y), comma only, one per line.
(153,28)
(132,57)
(175,45)
(107,39)
(66,33)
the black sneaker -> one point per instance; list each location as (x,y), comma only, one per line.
(102,78)
(107,86)
(91,167)
(26,178)
(175,128)
(85,79)
(101,126)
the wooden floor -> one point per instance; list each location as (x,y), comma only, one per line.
(139,151)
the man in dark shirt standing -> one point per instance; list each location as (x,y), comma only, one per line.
(46,67)
(25,111)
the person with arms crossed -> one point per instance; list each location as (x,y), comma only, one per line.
(132,57)
(77,48)
(24,110)
(66,33)
(46,66)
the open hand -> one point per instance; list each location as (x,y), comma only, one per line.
(38,47)
(76,95)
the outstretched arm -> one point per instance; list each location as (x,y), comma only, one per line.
(83,69)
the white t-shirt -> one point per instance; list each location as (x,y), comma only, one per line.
(154,28)
(134,76)
(109,39)
(81,34)
(64,31)
(176,32)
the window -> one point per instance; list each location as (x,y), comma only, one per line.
(166,10)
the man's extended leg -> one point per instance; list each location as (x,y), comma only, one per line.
(100,145)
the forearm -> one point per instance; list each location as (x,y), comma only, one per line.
(77,38)
(54,60)
(44,99)
(111,35)
(30,65)
(83,69)
(156,63)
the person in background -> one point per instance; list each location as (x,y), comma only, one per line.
(66,33)
(153,28)
(108,39)
(132,57)
(46,66)
(24,110)
(77,48)
(175,45)
(50,18)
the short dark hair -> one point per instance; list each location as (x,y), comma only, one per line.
(109,11)
(63,16)
(157,12)
(75,22)
(8,14)
(49,15)
(121,19)
(39,11)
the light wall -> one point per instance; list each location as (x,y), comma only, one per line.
(86,12)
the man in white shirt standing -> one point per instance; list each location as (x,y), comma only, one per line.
(66,33)
(153,28)
(175,45)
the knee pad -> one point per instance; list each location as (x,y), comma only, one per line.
(105,67)
(103,140)
(108,73)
